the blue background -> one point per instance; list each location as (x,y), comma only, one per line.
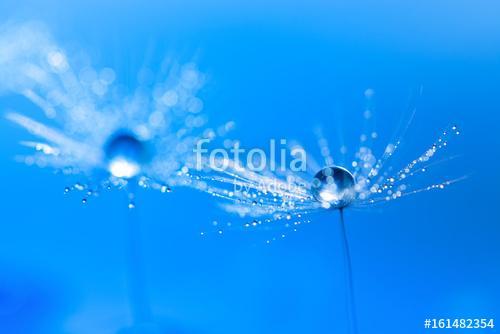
(278,69)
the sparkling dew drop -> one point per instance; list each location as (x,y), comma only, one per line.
(334,187)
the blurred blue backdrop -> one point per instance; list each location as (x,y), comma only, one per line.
(278,69)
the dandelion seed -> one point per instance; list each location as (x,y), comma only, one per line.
(99,134)
(366,182)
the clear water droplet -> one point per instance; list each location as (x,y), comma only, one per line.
(334,187)
(125,155)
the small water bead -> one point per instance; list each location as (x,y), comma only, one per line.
(390,149)
(143,182)
(165,189)
(84,201)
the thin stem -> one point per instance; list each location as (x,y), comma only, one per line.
(350,304)
(138,297)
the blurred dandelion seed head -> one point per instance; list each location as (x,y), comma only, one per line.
(86,113)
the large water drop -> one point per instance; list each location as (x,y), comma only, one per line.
(333,187)
(125,155)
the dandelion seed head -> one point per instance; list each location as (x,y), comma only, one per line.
(283,199)
(97,131)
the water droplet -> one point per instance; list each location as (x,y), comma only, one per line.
(334,187)
(125,155)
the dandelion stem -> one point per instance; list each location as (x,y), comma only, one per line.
(350,304)
(138,297)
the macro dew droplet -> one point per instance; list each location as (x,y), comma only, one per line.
(125,155)
(334,187)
